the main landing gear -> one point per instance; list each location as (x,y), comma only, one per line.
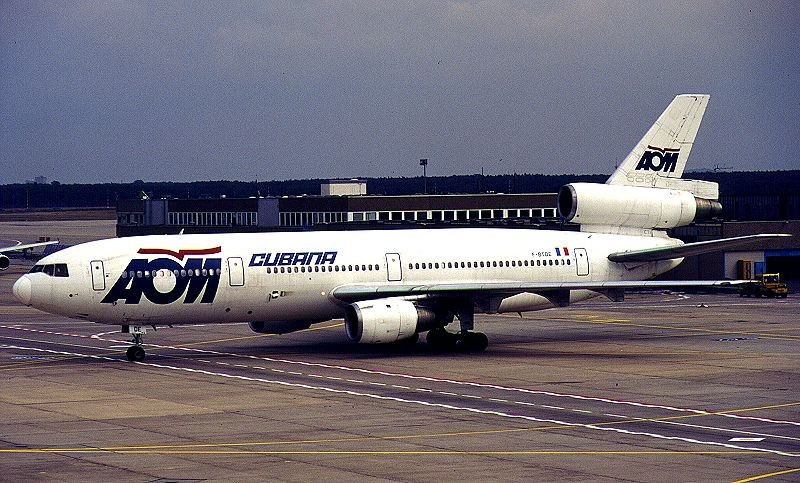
(135,353)
(465,341)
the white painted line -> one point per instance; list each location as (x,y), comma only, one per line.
(552,407)
(746,440)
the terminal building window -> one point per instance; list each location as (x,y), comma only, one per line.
(314,218)
(220,218)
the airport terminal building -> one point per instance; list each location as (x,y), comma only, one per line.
(342,207)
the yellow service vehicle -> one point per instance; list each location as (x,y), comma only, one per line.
(765,285)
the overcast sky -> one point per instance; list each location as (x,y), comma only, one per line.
(114,91)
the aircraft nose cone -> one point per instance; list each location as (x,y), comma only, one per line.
(22,290)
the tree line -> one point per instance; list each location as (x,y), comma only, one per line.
(62,195)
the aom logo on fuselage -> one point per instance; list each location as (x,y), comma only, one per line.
(659,159)
(165,280)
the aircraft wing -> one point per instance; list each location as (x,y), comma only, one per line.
(355,293)
(687,249)
(26,246)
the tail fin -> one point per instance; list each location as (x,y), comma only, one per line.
(663,151)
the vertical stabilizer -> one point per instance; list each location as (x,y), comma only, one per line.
(663,151)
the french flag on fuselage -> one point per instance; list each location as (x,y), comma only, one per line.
(559,251)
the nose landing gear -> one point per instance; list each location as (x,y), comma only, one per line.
(135,353)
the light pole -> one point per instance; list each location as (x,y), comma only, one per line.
(424,164)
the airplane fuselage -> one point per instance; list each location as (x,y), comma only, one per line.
(187,279)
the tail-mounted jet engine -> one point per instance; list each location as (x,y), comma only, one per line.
(631,206)
(388,320)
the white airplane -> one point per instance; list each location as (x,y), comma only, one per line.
(392,285)
(5,262)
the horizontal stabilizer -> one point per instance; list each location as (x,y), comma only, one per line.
(688,249)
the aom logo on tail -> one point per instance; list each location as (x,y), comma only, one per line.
(165,280)
(659,159)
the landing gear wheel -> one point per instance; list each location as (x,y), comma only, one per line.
(441,339)
(472,342)
(135,353)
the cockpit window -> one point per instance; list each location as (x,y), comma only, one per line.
(52,269)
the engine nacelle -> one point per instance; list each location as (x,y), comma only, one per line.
(387,320)
(4,262)
(278,326)
(632,206)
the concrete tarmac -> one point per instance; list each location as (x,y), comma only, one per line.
(661,387)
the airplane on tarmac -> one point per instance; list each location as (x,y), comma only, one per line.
(390,286)
(5,262)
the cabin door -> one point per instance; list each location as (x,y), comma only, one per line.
(98,275)
(581,262)
(236,271)
(394,270)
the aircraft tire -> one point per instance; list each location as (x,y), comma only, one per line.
(135,353)
(472,342)
(441,340)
